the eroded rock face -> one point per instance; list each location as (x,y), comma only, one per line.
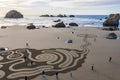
(112,20)
(13,14)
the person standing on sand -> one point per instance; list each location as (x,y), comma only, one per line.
(43,74)
(26,78)
(56,75)
(27,45)
(92,67)
(110,58)
(71,75)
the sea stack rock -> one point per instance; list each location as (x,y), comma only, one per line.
(60,25)
(112,20)
(13,14)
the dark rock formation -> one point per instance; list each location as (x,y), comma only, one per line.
(31,26)
(57,20)
(73,24)
(3,27)
(60,15)
(60,25)
(71,16)
(13,14)
(111,36)
(46,15)
(112,20)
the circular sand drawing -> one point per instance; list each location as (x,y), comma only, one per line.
(15,64)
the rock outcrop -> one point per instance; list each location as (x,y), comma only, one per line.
(31,26)
(111,36)
(13,14)
(73,24)
(60,25)
(112,20)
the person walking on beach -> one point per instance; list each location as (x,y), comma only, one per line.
(71,75)
(110,58)
(92,67)
(56,75)
(26,78)
(27,45)
(43,74)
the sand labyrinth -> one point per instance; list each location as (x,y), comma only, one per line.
(16,64)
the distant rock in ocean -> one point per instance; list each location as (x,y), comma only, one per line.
(13,14)
(112,21)
(57,20)
(60,15)
(71,16)
(46,15)
(73,24)
(60,25)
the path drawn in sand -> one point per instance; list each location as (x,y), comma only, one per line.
(14,66)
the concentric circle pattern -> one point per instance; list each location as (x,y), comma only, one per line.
(16,64)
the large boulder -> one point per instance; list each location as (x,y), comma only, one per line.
(112,21)
(73,24)
(111,36)
(31,26)
(60,25)
(13,14)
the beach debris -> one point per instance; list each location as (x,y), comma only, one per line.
(31,26)
(73,24)
(111,36)
(13,14)
(3,49)
(58,37)
(68,41)
(72,32)
(59,25)
(112,21)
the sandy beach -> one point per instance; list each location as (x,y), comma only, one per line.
(97,48)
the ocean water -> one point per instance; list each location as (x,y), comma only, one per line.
(81,20)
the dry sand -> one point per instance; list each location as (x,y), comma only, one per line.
(45,38)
